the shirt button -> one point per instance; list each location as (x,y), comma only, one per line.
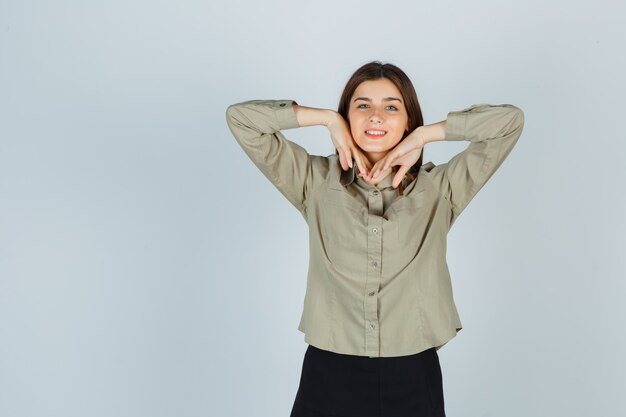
(372,326)
(375,230)
(375,263)
(375,192)
(372,293)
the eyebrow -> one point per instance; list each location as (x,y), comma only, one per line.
(384,99)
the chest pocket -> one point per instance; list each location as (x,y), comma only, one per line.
(410,217)
(342,224)
(412,202)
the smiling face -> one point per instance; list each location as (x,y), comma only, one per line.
(377,117)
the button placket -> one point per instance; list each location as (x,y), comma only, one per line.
(373,278)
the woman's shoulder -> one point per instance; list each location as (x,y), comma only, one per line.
(323,163)
(320,168)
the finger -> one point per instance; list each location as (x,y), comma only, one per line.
(346,164)
(360,165)
(358,156)
(373,172)
(379,167)
(342,159)
(369,172)
(389,159)
(399,176)
(367,164)
(349,157)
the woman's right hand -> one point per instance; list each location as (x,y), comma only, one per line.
(346,146)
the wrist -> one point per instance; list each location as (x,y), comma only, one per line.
(432,132)
(329,116)
(311,116)
(420,135)
(333,120)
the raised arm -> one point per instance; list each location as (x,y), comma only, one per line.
(492,130)
(257,125)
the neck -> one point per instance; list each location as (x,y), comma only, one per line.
(374,157)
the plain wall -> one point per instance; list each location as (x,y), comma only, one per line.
(147,268)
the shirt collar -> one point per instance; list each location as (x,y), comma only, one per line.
(347,177)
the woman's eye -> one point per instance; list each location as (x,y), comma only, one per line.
(359,106)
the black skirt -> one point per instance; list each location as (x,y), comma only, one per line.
(339,385)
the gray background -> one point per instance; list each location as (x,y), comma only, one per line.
(148,269)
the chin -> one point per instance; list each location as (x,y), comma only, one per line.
(372,146)
(375,148)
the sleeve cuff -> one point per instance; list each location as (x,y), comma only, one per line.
(455,125)
(456,122)
(285,114)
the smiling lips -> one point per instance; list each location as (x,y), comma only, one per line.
(375,133)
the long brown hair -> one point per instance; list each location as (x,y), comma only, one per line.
(375,70)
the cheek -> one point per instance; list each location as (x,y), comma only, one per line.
(355,136)
(393,141)
(400,124)
(355,129)
(398,131)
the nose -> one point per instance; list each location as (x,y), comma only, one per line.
(375,117)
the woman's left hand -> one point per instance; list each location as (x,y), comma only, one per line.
(405,154)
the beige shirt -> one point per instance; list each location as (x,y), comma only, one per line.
(378,283)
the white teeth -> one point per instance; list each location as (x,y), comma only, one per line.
(374,133)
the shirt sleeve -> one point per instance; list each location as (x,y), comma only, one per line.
(493,131)
(256,125)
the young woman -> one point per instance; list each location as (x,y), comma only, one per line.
(379,302)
